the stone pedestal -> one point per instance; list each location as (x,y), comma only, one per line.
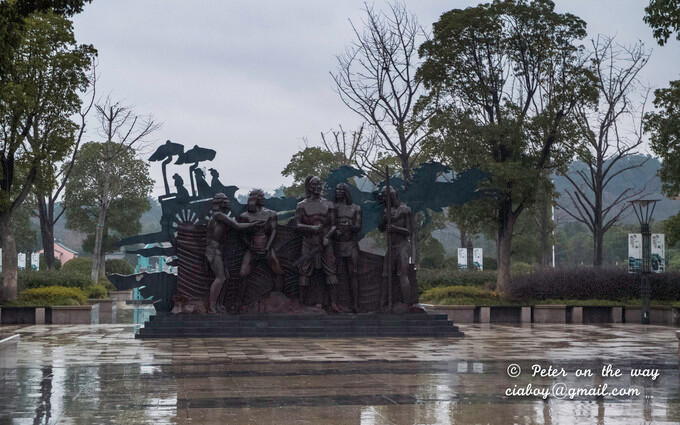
(633,314)
(577,315)
(22,315)
(485,315)
(75,315)
(657,316)
(121,296)
(661,316)
(526,314)
(457,313)
(107,309)
(550,314)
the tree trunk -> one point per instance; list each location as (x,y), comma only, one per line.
(46,233)
(405,170)
(506,223)
(463,238)
(597,212)
(544,229)
(102,265)
(102,257)
(101,220)
(598,237)
(9,260)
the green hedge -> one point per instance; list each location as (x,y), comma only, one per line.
(519,268)
(463,295)
(431,278)
(470,295)
(107,284)
(29,279)
(585,283)
(97,291)
(84,266)
(119,266)
(81,266)
(52,295)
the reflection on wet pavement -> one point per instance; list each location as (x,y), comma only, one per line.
(101,374)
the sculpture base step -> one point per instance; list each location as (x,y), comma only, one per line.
(315,326)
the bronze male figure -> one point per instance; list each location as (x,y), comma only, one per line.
(218,226)
(402,234)
(259,242)
(348,218)
(315,218)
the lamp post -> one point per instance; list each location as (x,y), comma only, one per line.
(644,208)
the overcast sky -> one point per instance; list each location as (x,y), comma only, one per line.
(251,79)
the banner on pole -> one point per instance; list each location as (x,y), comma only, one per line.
(35,261)
(634,252)
(658,253)
(478,258)
(21,260)
(462,258)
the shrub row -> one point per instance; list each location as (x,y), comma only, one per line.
(52,295)
(96,291)
(462,295)
(29,279)
(591,283)
(431,278)
(84,266)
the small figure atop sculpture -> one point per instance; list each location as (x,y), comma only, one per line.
(397,221)
(315,219)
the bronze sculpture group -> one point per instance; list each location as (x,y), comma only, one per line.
(330,237)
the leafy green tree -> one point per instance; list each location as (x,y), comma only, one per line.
(430,251)
(672,230)
(25,232)
(123,219)
(123,195)
(663,127)
(48,194)
(504,80)
(45,70)
(311,161)
(664,18)
(13,14)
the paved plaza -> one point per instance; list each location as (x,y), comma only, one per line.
(102,374)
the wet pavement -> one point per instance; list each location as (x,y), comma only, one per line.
(102,374)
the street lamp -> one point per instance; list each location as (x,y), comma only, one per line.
(644,208)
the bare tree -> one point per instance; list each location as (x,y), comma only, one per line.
(121,130)
(47,197)
(359,148)
(613,134)
(341,144)
(376,78)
